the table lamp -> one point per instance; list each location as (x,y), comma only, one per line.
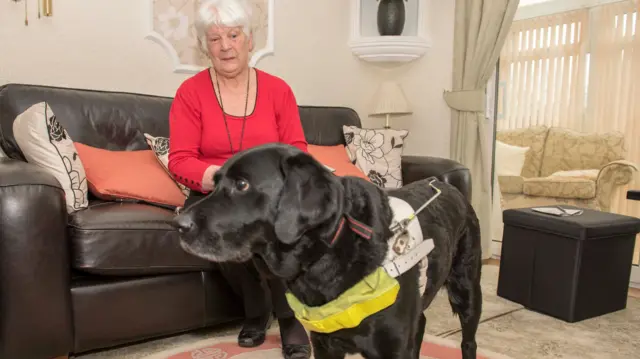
(389,100)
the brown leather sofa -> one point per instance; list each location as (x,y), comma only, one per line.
(114,273)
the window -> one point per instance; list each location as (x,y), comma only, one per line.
(544,71)
(580,70)
(576,69)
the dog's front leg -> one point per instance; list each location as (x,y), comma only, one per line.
(422,324)
(322,348)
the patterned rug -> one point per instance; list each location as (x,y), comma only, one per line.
(227,348)
(505,328)
(440,320)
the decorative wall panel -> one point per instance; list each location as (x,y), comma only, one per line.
(172,26)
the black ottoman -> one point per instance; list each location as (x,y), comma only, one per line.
(571,268)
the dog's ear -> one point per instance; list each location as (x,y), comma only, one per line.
(310,196)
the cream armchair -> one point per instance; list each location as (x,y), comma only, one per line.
(565,167)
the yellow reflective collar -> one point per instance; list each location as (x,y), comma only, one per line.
(374,293)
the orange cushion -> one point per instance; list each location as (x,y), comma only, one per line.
(136,175)
(336,157)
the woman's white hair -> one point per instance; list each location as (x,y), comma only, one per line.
(229,13)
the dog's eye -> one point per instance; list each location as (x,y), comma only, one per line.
(242,185)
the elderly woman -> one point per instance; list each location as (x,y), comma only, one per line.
(218,112)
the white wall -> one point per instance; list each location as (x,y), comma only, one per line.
(101,45)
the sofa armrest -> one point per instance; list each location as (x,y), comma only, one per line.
(415,168)
(612,175)
(35,299)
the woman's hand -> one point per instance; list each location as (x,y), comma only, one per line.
(207,178)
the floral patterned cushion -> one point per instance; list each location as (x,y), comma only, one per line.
(160,147)
(45,143)
(377,153)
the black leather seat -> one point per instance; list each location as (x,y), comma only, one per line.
(110,238)
(114,273)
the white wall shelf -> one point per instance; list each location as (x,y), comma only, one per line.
(366,43)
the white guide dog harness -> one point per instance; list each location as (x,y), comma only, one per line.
(407,247)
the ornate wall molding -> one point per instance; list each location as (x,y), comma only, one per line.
(171,25)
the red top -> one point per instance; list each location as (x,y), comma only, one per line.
(198,137)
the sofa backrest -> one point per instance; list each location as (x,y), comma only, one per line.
(118,120)
(533,137)
(567,150)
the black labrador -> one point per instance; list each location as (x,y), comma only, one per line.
(279,203)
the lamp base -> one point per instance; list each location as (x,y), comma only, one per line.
(386,125)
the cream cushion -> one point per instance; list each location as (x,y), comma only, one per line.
(509,159)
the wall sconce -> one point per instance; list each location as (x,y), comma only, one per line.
(45,7)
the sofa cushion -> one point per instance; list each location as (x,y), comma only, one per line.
(117,120)
(103,119)
(567,150)
(509,159)
(322,126)
(46,144)
(511,184)
(560,187)
(160,147)
(532,137)
(137,175)
(111,238)
(587,174)
(377,152)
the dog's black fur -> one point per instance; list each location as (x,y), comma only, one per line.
(278,203)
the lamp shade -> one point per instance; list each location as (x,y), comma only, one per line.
(389,99)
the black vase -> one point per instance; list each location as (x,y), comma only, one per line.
(391,17)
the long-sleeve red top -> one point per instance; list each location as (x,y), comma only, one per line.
(197,134)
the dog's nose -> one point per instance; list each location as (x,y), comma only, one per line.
(184,223)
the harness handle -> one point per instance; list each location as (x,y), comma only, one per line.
(402,225)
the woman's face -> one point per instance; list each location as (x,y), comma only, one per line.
(228,49)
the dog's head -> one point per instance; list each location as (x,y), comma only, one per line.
(266,197)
